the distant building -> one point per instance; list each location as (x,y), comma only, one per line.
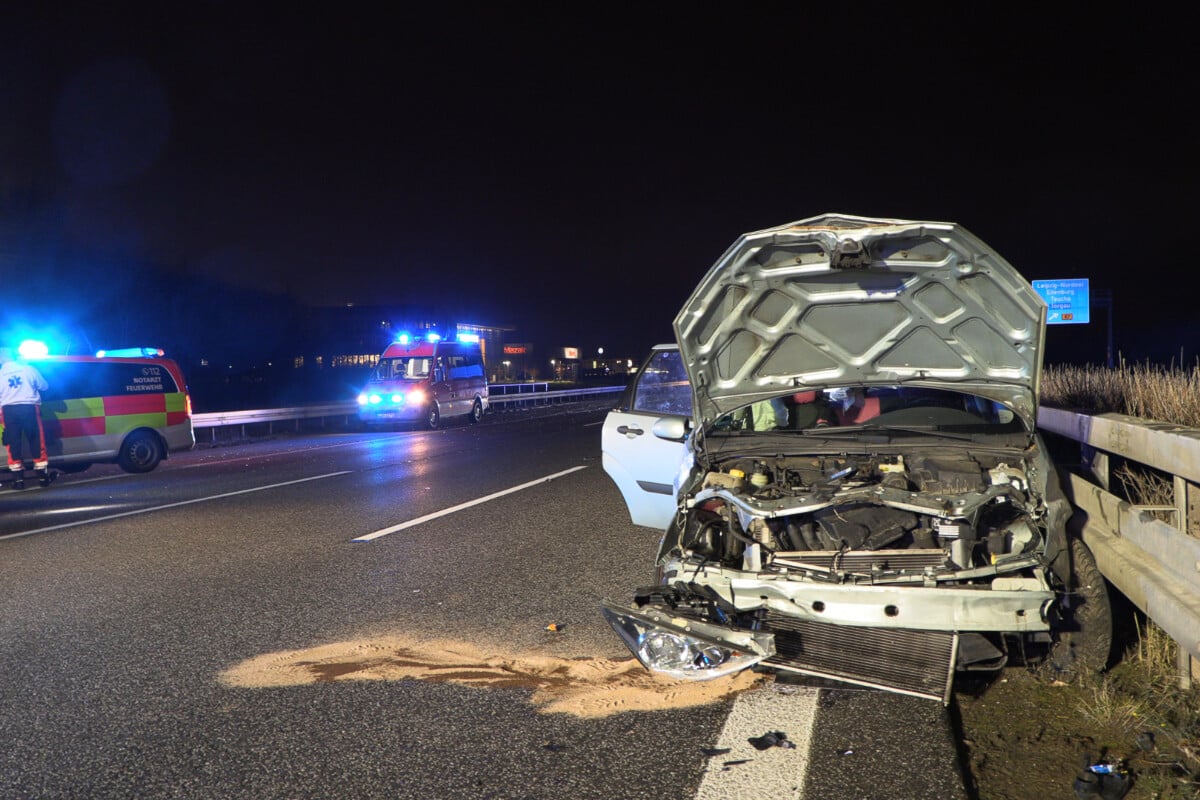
(354,336)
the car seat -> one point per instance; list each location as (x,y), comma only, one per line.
(863,409)
(810,410)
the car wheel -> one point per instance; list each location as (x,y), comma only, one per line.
(1084,637)
(433,417)
(477,411)
(140,452)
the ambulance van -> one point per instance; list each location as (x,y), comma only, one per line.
(131,409)
(426,380)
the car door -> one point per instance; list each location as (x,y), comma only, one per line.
(642,465)
(442,389)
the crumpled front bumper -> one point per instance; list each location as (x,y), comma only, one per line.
(1007,605)
(906,639)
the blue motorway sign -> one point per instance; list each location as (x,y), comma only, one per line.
(1067,300)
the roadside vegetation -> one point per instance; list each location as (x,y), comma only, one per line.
(1032,732)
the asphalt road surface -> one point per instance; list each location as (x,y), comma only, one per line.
(391,614)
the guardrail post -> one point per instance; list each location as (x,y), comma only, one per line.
(1187,520)
(1188,668)
(1187,499)
(1096,462)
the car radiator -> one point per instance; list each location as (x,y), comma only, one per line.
(919,663)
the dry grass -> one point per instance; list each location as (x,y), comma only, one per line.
(1150,391)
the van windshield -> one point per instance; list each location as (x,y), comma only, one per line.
(406,367)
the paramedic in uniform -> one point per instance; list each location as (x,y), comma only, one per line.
(21,387)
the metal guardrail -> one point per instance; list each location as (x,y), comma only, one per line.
(1155,564)
(518,388)
(348,409)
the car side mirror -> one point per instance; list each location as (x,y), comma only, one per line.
(673,429)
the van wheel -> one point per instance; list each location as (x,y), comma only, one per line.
(140,452)
(1084,636)
(433,417)
(477,411)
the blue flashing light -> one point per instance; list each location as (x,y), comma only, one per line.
(433,337)
(131,352)
(32,348)
(469,338)
(403,338)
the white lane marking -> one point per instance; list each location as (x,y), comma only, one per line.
(272,454)
(216,462)
(419,520)
(82,481)
(776,772)
(172,505)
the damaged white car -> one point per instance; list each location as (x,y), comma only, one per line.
(842,451)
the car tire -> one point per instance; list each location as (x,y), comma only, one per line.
(140,452)
(433,417)
(1083,640)
(477,411)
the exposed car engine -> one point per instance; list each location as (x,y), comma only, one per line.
(972,509)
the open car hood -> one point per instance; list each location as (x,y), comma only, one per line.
(837,300)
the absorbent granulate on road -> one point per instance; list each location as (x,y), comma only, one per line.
(584,687)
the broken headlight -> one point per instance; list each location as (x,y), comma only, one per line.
(684,648)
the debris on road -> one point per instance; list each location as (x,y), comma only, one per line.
(772,739)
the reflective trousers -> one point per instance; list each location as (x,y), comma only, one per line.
(24,436)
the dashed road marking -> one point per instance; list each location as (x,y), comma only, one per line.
(747,773)
(223,495)
(419,520)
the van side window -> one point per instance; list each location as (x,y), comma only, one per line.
(105,380)
(465,366)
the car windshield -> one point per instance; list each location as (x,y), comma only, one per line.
(877,407)
(413,367)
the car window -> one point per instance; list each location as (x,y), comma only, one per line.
(663,387)
(877,406)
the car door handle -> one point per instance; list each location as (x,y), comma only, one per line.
(628,431)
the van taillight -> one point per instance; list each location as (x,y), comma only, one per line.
(187,405)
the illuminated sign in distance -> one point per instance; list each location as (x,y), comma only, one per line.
(1067,301)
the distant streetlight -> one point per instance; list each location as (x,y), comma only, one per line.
(600,350)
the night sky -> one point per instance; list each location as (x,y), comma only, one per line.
(573,173)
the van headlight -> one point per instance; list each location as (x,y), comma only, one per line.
(685,648)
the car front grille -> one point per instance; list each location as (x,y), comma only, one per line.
(919,663)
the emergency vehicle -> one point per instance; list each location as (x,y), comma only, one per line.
(129,407)
(426,380)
